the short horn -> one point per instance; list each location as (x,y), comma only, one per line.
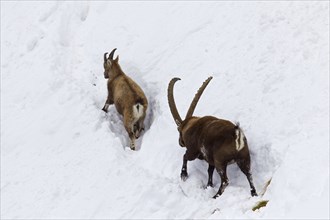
(171,102)
(105,57)
(112,53)
(196,98)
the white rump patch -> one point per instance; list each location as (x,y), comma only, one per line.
(239,139)
(137,111)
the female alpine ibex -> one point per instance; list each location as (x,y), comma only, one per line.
(128,97)
(215,140)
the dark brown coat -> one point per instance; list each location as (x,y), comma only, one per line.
(217,141)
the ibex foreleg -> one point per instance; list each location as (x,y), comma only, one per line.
(109,100)
(210,179)
(107,103)
(187,156)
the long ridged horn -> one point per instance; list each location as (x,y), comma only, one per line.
(171,102)
(105,57)
(196,98)
(111,54)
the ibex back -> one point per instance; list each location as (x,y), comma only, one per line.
(212,139)
(128,97)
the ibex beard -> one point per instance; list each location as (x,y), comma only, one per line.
(127,96)
(217,141)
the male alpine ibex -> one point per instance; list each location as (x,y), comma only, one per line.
(215,140)
(128,97)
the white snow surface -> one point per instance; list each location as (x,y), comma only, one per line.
(62,157)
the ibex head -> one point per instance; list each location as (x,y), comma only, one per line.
(179,122)
(109,63)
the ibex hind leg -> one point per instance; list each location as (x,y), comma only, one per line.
(138,128)
(244,165)
(132,146)
(222,171)
(132,139)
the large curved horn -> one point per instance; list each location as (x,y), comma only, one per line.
(171,102)
(105,57)
(196,98)
(111,54)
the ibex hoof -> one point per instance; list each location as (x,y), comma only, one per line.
(209,185)
(253,193)
(132,147)
(105,110)
(216,196)
(184,175)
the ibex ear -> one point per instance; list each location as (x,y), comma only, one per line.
(117,59)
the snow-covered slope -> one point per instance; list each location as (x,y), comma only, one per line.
(62,157)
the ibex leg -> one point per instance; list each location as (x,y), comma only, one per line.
(210,172)
(244,165)
(108,102)
(222,170)
(187,156)
(128,123)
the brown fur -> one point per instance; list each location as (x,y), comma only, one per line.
(125,93)
(215,141)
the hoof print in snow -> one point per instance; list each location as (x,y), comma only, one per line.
(84,13)
(215,210)
(32,44)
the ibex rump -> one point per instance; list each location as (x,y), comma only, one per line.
(215,140)
(128,97)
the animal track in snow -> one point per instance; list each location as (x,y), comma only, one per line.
(84,13)
(32,44)
(34,41)
(48,13)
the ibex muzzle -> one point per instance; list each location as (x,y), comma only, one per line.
(128,97)
(215,140)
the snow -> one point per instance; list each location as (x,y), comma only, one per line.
(63,157)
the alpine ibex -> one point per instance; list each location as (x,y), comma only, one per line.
(128,97)
(217,141)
